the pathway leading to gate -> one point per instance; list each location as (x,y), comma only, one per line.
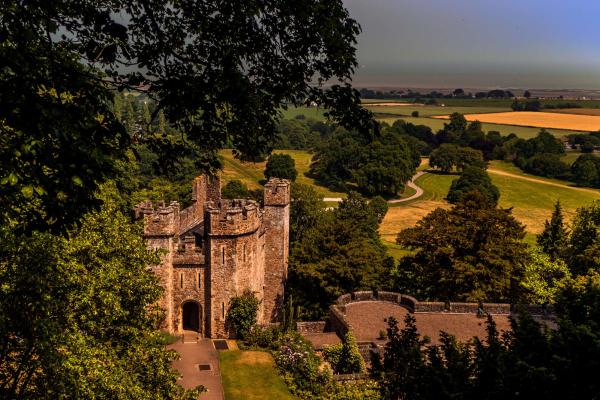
(192,354)
(410,184)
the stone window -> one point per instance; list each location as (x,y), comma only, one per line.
(181,280)
(223,255)
(199,280)
(244,252)
(223,309)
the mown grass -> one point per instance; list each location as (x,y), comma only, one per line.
(252,173)
(251,375)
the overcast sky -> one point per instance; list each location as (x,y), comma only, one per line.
(478,43)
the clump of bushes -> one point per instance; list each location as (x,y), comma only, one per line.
(241,316)
(345,357)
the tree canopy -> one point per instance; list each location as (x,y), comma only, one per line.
(473,179)
(218,70)
(472,252)
(281,166)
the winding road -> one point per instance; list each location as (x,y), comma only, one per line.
(410,184)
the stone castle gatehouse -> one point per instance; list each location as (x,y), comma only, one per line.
(216,249)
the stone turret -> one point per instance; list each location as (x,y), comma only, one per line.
(276,222)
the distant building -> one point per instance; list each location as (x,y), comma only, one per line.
(216,249)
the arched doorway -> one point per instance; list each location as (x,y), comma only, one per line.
(191,316)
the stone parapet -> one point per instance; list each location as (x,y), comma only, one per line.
(159,219)
(232,217)
(311,326)
(277,192)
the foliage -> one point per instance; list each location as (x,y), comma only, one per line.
(548,165)
(299,365)
(529,105)
(241,315)
(449,156)
(584,241)
(472,252)
(585,171)
(341,253)
(281,166)
(345,357)
(263,337)
(235,189)
(553,240)
(473,179)
(378,166)
(306,209)
(543,277)
(90,327)
(60,136)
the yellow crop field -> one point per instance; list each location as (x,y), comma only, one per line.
(539,120)
(579,111)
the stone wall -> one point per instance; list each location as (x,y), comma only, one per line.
(311,327)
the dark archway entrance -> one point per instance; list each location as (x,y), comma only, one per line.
(191,316)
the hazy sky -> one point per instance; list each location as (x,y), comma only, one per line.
(478,43)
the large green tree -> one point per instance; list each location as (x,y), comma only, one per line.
(219,70)
(78,316)
(281,166)
(473,179)
(472,252)
(554,238)
(341,253)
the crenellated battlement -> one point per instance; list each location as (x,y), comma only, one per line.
(277,192)
(187,253)
(159,219)
(232,217)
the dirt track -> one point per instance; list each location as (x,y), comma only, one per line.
(542,181)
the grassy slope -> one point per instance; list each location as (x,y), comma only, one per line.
(251,375)
(532,202)
(251,173)
(426,111)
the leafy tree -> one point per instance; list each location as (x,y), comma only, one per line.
(379,206)
(241,315)
(281,166)
(543,277)
(306,209)
(473,179)
(584,170)
(60,136)
(472,252)
(526,94)
(414,114)
(450,156)
(91,317)
(341,253)
(553,240)
(235,189)
(584,241)
(548,165)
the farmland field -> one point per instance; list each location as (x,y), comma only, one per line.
(540,120)
(577,111)
(521,131)
(427,111)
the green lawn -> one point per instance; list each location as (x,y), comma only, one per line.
(251,375)
(251,173)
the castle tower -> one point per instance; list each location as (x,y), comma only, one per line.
(161,227)
(276,222)
(233,249)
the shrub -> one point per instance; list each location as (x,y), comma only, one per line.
(548,165)
(265,338)
(241,315)
(415,113)
(281,166)
(345,357)
(473,179)
(235,189)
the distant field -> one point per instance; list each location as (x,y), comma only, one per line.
(308,112)
(531,197)
(577,111)
(251,173)
(521,131)
(494,102)
(540,120)
(427,111)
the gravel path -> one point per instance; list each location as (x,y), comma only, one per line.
(410,184)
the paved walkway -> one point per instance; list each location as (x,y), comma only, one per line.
(192,354)
(410,184)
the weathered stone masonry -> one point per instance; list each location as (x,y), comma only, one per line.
(215,250)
